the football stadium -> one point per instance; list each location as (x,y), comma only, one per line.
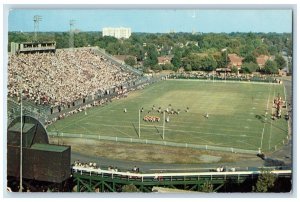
(116,111)
(85,94)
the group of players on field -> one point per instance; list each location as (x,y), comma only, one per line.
(169,111)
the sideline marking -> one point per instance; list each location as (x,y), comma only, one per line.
(263,131)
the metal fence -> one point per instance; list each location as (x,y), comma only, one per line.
(154,142)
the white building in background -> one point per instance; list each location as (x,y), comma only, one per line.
(117,32)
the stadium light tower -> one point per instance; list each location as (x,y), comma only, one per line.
(36,20)
(71,39)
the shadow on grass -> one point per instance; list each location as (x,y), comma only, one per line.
(160,134)
(263,119)
(260,118)
(135,129)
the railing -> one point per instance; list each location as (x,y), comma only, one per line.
(184,175)
(154,142)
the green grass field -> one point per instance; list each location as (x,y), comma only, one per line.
(236,115)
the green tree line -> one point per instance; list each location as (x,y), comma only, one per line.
(190,51)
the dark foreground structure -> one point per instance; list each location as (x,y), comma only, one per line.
(41,161)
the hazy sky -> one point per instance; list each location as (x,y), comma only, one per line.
(154,20)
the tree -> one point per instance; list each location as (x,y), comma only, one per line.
(130,61)
(176,60)
(234,70)
(281,63)
(221,60)
(188,68)
(130,188)
(208,63)
(207,187)
(249,67)
(270,67)
(167,67)
(250,58)
(265,181)
(290,66)
(138,51)
(151,59)
(261,50)
(197,62)
(156,68)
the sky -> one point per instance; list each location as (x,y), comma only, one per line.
(154,20)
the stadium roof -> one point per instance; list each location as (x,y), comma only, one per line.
(49,147)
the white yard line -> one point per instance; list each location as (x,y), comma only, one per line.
(271,125)
(284,93)
(263,130)
(127,135)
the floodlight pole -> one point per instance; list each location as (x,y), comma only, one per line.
(71,39)
(139,123)
(21,142)
(36,20)
(164,125)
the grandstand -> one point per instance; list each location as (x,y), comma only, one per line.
(54,83)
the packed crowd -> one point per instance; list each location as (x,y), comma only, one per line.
(62,77)
(223,76)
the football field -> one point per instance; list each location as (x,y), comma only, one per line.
(236,115)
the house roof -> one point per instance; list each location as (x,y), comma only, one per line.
(262,59)
(164,59)
(235,60)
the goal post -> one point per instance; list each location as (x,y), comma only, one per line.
(164,120)
(139,123)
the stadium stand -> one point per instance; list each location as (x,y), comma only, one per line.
(67,81)
(65,76)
